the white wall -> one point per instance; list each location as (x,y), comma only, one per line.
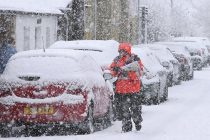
(29,22)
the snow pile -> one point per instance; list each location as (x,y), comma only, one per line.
(36,6)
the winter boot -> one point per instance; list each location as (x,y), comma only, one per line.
(138,127)
(127,126)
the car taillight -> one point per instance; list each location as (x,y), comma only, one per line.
(74,92)
(185,61)
(181,60)
(5,92)
(74,89)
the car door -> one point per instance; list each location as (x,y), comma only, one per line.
(97,84)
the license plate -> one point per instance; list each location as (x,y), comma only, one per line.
(42,110)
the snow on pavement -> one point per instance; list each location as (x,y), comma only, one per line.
(185,116)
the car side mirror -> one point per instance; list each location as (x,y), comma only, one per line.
(165,64)
(107,76)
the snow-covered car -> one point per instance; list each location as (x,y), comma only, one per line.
(103,51)
(204,42)
(154,79)
(196,48)
(182,54)
(51,89)
(168,61)
(197,57)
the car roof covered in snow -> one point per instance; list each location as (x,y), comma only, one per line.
(192,39)
(161,52)
(192,45)
(103,51)
(50,53)
(35,6)
(97,45)
(148,59)
(176,47)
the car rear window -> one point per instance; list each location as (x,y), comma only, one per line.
(50,66)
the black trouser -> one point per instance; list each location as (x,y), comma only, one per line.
(128,106)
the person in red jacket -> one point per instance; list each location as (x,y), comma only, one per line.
(127,68)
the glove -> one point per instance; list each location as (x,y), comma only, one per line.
(123,73)
(116,69)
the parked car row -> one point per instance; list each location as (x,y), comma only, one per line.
(181,53)
(64,86)
(168,68)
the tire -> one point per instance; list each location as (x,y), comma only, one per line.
(165,97)
(149,101)
(179,81)
(156,100)
(192,76)
(5,133)
(110,115)
(170,81)
(34,131)
(88,125)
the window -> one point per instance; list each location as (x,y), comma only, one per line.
(26,38)
(39,21)
(47,37)
(38,38)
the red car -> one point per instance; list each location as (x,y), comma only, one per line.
(53,88)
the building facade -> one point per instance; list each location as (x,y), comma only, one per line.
(102,20)
(37,27)
(33,24)
(30,31)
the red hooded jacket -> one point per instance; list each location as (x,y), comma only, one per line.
(127,82)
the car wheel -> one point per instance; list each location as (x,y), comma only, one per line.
(170,81)
(178,81)
(88,125)
(149,101)
(165,96)
(34,131)
(156,100)
(110,115)
(5,133)
(192,76)
(199,68)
